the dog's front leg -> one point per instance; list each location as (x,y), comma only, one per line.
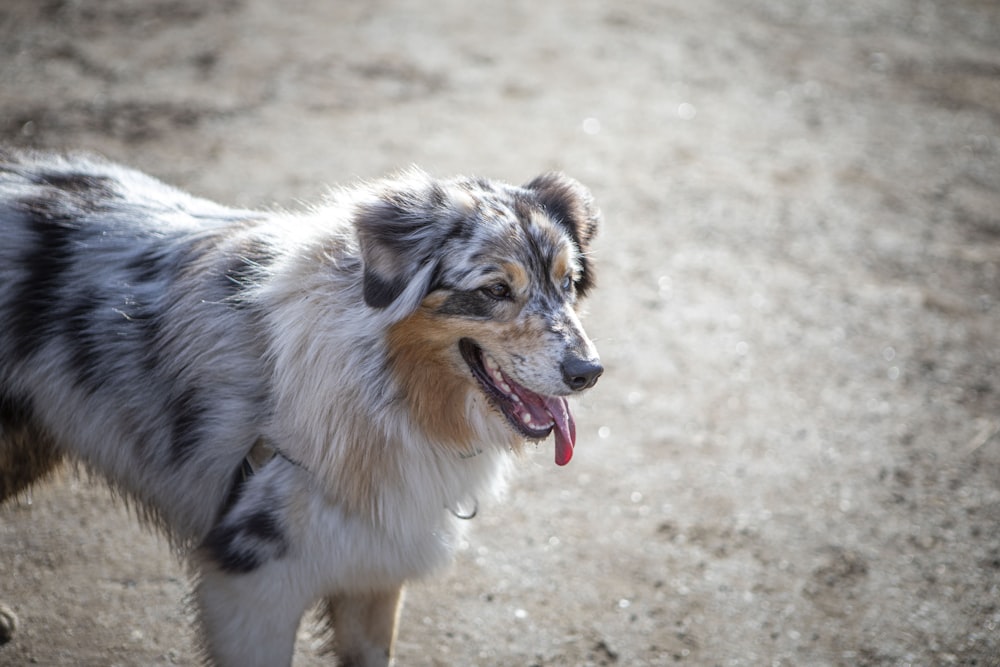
(247,620)
(253,573)
(364,627)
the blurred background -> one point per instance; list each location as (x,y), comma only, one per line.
(794,455)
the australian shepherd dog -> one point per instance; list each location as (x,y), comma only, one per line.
(308,404)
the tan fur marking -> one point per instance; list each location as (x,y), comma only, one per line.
(561,266)
(517,275)
(422,352)
(26,456)
(363,470)
(363,625)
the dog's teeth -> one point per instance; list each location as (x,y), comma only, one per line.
(506,387)
(526,418)
(490,362)
(514,397)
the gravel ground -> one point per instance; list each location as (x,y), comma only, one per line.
(794,455)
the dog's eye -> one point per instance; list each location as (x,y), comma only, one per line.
(498,291)
(567,284)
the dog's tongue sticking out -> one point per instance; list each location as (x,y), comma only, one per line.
(554,410)
(565,429)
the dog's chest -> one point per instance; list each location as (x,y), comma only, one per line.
(414,529)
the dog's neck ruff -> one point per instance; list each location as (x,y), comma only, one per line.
(262,453)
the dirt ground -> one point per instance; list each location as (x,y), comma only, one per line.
(794,455)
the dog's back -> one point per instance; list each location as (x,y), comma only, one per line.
(108,323)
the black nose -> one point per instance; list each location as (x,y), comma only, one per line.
(580,374)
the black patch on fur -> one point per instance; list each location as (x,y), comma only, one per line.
(14,413)
(34,315)
(228,555)
(461,229)
(540,257)
(392,222)
(437,197)
(89,192)
(246,268)
(188,416)
(524,206)
(483,184)
(263,525)
(437,279)
(467,304)
(153,264)
(233,547)
(85,348)
(141,326)
(381,293)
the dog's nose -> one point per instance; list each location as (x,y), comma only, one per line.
(580,374)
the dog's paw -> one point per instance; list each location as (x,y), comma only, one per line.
(8,624)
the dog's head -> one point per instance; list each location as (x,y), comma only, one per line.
(481,283)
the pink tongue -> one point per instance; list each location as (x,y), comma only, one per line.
(541,408)
(565,429)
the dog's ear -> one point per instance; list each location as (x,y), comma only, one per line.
(400,231)
(570,205)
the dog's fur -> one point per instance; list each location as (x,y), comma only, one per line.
(306,403)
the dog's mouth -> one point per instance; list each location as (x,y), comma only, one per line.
(532,415)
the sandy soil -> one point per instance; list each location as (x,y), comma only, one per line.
(794,455)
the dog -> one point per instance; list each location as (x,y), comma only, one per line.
(307,404)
